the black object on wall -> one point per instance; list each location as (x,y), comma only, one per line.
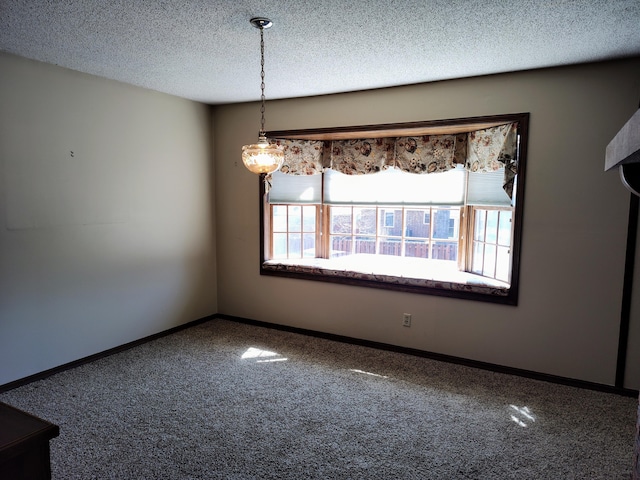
(623,152)
(627,287)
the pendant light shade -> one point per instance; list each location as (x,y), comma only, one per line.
(262,157)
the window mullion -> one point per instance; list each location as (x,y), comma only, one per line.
(431,223)
(326,226)
(484,242)
(319,236)
(403,232)
(353,232)
(466,239)
(288,233)
(497,247)
(378,220)
(270,240)
(323,229)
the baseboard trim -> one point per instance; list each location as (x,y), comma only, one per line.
(338,338)
(96,356)
(627,392)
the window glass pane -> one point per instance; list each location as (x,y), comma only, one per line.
(489,267)
(504,230)
(390,221)
(341,220)
(390,246)
(417,224)
(309,218)
(481,216)
(416,248)
(478,257)
(445,224)
(295,218)
(340,246)
(279,245)
(280,218)
(444,250)
(365,219)
(502,264)
(365,245)
(492,226)
(309,245)
(295,245)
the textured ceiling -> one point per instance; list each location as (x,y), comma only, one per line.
(206,50)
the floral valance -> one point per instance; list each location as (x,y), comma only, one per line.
(494,148)
(427,154)
(361,156)
(302,157)
(485,150)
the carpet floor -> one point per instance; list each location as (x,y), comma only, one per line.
(226,400)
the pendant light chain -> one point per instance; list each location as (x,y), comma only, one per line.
(263,157)
(262,132)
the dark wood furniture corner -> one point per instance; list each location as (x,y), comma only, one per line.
(24,444)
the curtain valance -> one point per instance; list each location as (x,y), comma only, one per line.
(361,156)
(427,154)
(302,157)
(491,149)
(486,150)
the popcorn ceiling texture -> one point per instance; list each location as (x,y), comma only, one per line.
(207,50)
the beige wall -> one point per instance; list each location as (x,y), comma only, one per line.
(112,242)
(117,241)
(575,220)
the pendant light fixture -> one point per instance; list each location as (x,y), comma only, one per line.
(262,157)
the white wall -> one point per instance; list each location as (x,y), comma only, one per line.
(107,232)
(575,219)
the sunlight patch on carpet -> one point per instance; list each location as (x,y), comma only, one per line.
(262,356)
(522,415)
(367,373)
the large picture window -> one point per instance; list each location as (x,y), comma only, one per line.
(430,207)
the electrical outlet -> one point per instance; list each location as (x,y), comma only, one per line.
(406,319)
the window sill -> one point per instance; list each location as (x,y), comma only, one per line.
(397,273)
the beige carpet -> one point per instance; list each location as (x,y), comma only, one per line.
(225,400)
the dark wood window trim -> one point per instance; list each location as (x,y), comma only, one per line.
(436,127)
